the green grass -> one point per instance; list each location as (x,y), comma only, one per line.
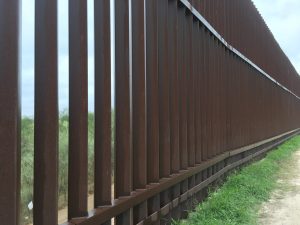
(239,199)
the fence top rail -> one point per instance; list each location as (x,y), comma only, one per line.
(198,15)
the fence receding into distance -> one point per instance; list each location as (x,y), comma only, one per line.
(190,105)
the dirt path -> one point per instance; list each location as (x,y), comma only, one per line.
(284,206)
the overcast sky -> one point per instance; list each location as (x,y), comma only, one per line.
(282,17)
(63,60)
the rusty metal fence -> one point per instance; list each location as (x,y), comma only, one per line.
(244,28)
(188,106)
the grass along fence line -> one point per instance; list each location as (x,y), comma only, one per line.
(238,200)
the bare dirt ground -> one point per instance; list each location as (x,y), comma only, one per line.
(284,206)
(63,213)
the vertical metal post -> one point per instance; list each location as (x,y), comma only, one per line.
(103,124)
(123,101)
(173,80)
(152,83)
(46,114)
(9,112)
(164,97)
(174,98)
(198,63)
(139,103)
(182,88)
(78,111)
